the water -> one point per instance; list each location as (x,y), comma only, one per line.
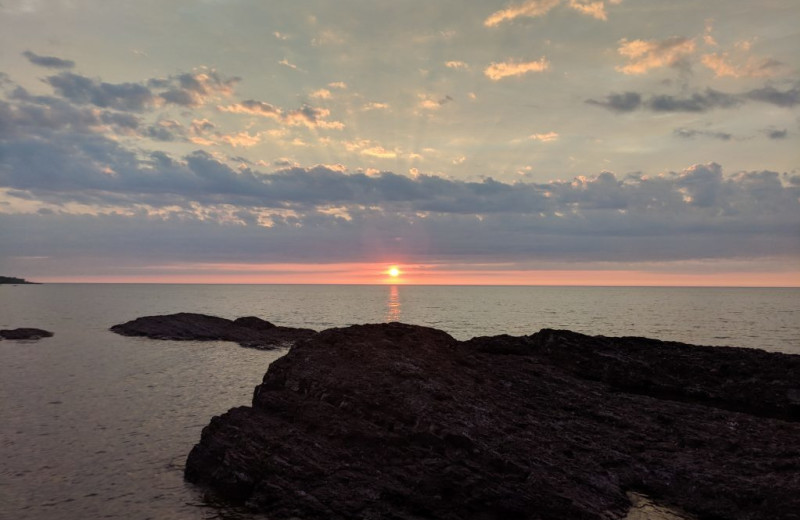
(95,425)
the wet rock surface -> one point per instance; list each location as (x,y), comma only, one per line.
(248,331)
(25,333)
(402,422)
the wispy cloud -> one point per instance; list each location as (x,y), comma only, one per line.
(536,8)
(688,133)
(545,137)
(703,101)
(723,66)
(306,115)
(531,8)
(457,65)
(644,55)
(499,70)
(50,62)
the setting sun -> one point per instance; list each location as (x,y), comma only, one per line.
(394,272)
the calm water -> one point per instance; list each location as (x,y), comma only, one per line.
(95,425)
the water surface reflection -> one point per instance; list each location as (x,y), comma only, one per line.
(393,311)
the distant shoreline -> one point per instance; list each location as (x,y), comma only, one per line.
(10,280)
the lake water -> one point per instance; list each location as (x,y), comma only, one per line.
(95,425)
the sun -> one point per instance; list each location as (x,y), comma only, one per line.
(393,271)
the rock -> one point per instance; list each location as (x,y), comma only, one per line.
(404,422)
(248,331)
(25,333)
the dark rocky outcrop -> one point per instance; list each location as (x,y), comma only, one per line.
(248,331)
(25,333)
(403,422)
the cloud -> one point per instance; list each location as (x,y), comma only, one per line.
(688,133)
(545,137)
(322,93)
(457,65)
(255,108)
(306,115)
(774,133)
(370,149)
(536,8)
(626,102)
(322,213)
(769,94)
(311,117)
(531,8)
(48,61)
(699,101)
(189,89)
(197,88)
(286,63)
(593,8)
(83,91)
(31,114)
(373,105)
(500,70)
(644,55)
(432,103)
(722,66)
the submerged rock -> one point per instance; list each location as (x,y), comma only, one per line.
(248,331)
(25,333)
(404,422)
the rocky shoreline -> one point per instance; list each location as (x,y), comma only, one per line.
(404,422)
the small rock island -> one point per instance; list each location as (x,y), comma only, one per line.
(248,331)
(396,421)
(25,333)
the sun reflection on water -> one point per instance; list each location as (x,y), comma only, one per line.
(393,310)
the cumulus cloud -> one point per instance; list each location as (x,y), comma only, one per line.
(699,212)
(87,91)
(499,70)
(50,62)
(197,88)
(189,89)
(644,55)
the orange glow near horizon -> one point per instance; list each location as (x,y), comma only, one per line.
(425,274)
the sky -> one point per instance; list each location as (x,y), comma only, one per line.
(533,142)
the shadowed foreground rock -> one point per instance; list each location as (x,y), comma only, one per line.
(403,422)
(248,331)
(25,333)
